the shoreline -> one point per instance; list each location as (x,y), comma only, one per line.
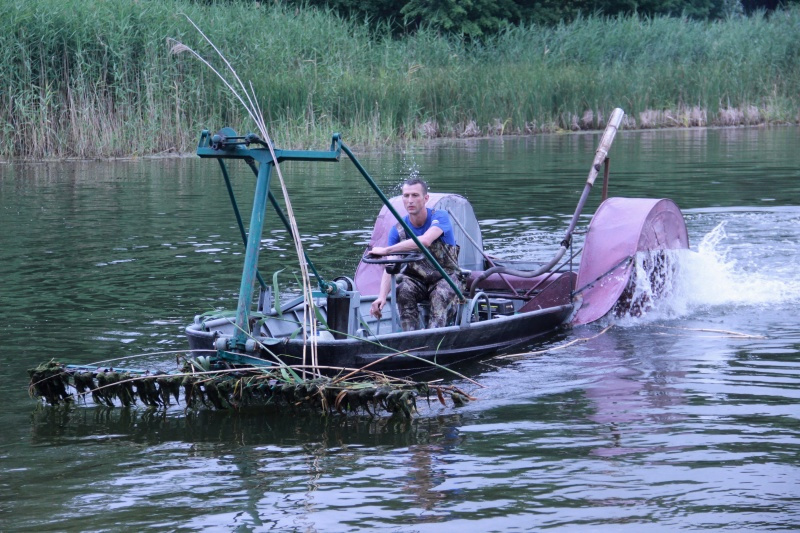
(423,141)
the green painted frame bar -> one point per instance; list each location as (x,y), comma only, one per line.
(228,145)
(251,256)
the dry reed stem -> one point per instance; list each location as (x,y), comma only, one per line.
(538,352)
(729,334)
(254,110)
(384,358)
(213,373)
(147,354)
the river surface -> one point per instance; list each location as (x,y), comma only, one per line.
(687,418)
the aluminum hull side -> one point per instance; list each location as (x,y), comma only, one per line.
(445,346)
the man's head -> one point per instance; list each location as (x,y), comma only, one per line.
(415,195)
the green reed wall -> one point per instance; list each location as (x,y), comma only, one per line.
(96,78)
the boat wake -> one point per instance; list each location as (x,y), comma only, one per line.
(724,272)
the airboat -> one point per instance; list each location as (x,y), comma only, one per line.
(503,305)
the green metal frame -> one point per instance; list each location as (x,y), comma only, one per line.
(228,145)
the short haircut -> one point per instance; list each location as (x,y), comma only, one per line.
(417,181)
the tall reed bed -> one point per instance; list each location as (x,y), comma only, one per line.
(94,78)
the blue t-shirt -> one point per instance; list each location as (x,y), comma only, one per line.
(439,218)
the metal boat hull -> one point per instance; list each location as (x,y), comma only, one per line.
(414,350)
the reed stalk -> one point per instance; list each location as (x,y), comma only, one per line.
(95,78)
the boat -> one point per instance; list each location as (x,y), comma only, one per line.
(324,351)
(505,305)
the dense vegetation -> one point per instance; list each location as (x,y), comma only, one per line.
(479,18)
(95,78)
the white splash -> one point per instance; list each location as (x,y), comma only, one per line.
(715,275)
(718,274)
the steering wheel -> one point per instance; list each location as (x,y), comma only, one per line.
(393,266)
(398,258)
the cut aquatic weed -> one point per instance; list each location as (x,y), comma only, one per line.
(279,388)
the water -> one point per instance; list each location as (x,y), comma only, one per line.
(683,419)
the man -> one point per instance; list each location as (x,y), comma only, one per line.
(420,280)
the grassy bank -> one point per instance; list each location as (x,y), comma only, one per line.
(95,78)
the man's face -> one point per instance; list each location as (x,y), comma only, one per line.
(413,198)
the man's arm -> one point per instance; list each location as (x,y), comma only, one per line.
(408,245)
(377,306)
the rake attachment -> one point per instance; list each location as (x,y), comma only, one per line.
(201,384)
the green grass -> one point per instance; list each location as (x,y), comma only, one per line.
(95,78)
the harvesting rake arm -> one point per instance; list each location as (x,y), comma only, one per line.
(600,156)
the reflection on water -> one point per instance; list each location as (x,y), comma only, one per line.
(666,421)
(212,456)
(154,427)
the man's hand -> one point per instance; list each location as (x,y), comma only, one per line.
(377,307)
(380,250)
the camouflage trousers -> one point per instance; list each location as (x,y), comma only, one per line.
(411,291)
